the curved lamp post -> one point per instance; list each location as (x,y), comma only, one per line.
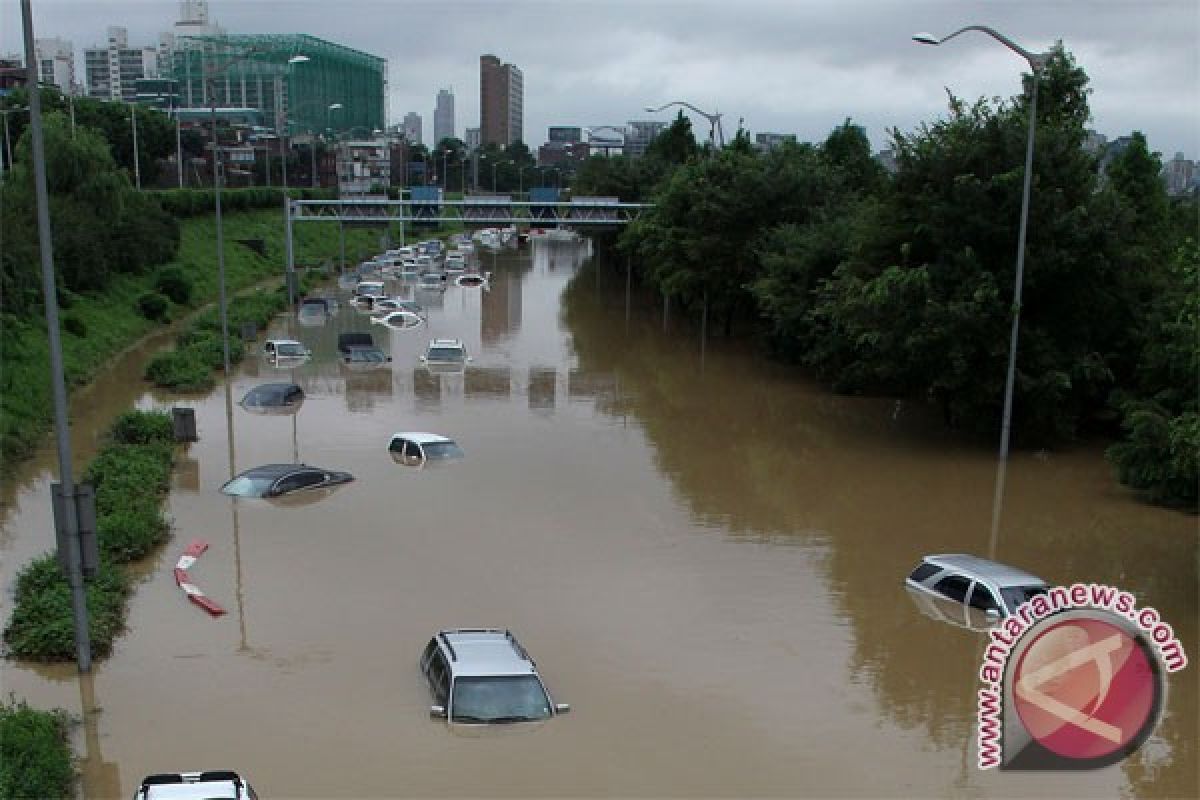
(1036,62)
(714,120)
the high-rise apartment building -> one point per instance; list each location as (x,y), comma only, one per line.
(112,71)
(412,127)
(56,63)
(639,134)
(443,117)
(501,102)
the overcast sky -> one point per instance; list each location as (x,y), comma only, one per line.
(794,66)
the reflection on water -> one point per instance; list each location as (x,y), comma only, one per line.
(707,564)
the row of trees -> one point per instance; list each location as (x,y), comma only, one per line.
(103,227)
(902,284)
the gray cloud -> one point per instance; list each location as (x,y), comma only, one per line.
(796,66)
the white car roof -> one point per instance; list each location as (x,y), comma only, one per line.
(420,437)
(278,342)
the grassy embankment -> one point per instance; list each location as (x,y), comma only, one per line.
(97,326)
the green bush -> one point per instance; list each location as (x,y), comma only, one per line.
(128,476)
(42,626)
(1161,455)
(176,369)
(153,306)
(35,753)
(128,534)
(172,282)
(74,325)
(143,427)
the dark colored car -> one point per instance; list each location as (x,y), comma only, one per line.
(354,339)
(267,397)
(365,357)
(276,480)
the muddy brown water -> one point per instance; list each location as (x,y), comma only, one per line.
(704,555)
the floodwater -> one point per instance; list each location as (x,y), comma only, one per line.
(703,551)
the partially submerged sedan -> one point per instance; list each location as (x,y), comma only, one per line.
(415,448)
(274,398)
(277,480)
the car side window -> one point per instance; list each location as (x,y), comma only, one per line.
(954,587)
(983,599)
(439,678)
(413,451)
(922,572)
(430,649)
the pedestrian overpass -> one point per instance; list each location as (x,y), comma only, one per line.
(480,210)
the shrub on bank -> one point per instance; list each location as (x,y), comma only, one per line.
(174,284)
(199,350)
(131,475)
(153,306)
(35,753)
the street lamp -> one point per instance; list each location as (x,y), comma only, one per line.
(1036,62)
(445,154)
(296,59)
(714,120)
(137,170)
(210,76)
(312,145)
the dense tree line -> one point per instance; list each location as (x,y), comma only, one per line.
(902,284)
(102,226)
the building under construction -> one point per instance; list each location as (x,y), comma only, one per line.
(333,88)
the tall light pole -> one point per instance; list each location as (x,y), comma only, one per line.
(445,155)
(137,170)
(714,121)
(79,610)
(312,145)
(211,82)
(296,59)
(1036,62)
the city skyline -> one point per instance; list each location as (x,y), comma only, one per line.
(807,67)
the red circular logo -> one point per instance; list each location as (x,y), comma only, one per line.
(1086,688)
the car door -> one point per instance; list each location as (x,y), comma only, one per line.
(952,589)
(983,610)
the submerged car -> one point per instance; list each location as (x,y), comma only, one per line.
(445,351)
(212,785)
(277,480)
(399,320)
(278,350)
(365,357)
(414,448)
(993,589)
(484,676)
(268,397)
(396,304)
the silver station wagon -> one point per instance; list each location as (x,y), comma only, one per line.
(973,584)
(483,676)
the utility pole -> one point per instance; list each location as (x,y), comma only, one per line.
(69,530)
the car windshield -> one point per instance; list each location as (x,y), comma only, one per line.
(508,698)
(1014,596)
(445,354)
(368,356)
(440,451)
(248,485)
(289,349)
